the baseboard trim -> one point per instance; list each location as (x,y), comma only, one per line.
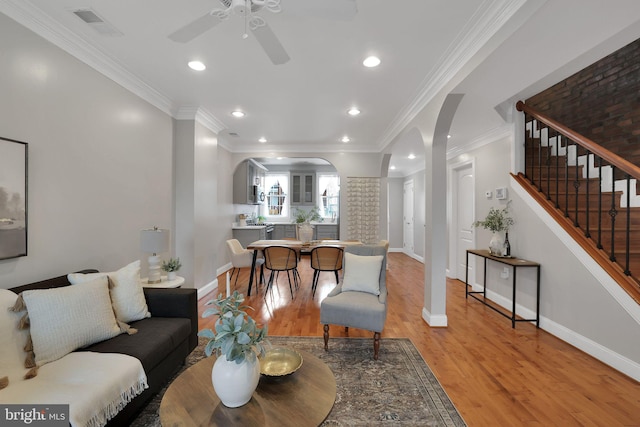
(209,287)
(592,348)
(436,320)
(228,266)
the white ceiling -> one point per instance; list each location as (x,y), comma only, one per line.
(301,106)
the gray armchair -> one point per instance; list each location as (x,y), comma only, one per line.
(361,309)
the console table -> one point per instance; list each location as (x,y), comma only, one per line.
(515,263)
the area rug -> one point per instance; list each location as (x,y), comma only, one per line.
(398,389)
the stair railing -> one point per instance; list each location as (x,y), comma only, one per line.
(553,156)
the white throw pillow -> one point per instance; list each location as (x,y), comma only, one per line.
(362,273)
(67,318)
(127,295)
(12,339)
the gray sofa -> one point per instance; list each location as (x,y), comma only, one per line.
(162,342)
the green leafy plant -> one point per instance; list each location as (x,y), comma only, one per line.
(173,264)
(236,335)
(496,220)
(302,216)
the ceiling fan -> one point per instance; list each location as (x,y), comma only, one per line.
(335,9)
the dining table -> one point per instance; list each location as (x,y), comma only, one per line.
(298,245)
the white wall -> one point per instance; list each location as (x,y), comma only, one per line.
(396,205)
(100,164)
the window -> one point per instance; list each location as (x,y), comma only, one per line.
(329,197)
(277,203)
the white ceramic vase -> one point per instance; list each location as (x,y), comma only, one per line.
(496,244)
(234,383)
(305,232)
(171,275)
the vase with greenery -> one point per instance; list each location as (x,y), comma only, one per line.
(496,221)
(303,216)
(237,341)
(303,220)
(171,267)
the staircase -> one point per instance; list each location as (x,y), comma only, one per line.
(590,191)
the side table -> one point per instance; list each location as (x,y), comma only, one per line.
(164,283)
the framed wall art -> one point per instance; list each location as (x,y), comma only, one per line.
(13,198)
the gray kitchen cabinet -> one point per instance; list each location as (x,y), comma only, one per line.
(326,231)
(278,231)
(284,231)
(302,188)
(247,236)
(248,183)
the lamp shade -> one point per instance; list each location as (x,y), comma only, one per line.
(154,240)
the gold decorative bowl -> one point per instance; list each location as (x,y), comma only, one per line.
(280,361)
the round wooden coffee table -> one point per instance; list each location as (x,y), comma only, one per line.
(303,398)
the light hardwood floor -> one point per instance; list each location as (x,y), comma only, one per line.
(495,375)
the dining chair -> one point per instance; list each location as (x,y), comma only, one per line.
(241,258)
(360,300)
(281,258)
(325,258)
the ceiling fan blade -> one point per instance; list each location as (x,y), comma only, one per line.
(195,28)
(271,45)
(340,10)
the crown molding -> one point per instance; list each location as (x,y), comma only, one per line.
(486,138)
(28,15)
(200,115)
(479,29)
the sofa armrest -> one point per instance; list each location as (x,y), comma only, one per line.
(175,302)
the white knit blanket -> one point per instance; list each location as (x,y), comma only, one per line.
(95,385)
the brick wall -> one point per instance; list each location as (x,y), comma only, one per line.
(601,102)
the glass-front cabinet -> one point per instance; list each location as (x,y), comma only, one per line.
(302,188)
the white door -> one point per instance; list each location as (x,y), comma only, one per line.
(463,214)
(408,218)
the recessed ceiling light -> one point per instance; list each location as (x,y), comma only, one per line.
(262,139)
(392,167)
(345,139)
(353,111)
(237,113)
(448,136)
(412,156)
(371,61)
(197,65)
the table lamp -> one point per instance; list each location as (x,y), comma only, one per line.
(154,241)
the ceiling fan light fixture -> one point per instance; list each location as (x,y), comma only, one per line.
(353,111)
(237,113)
(197,65)
(371,61)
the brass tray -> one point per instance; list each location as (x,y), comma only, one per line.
(280,361)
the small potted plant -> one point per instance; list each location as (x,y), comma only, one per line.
(237,341)
(497,221)
(171,267)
